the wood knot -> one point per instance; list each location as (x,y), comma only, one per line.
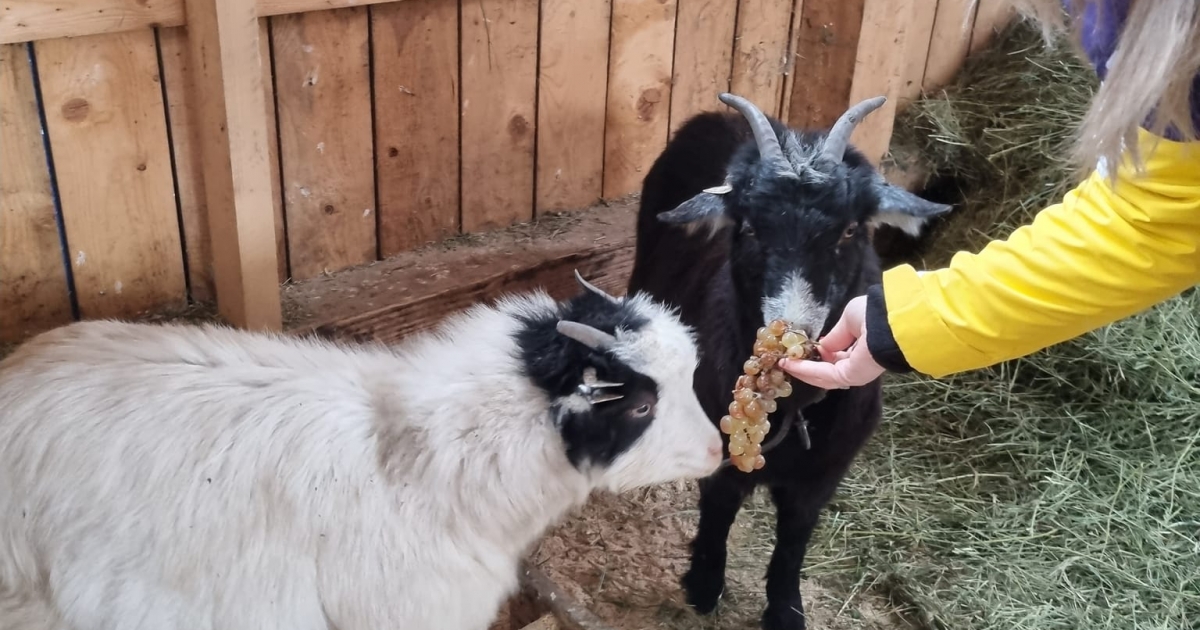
(141,167)
(76,109)
(329,209)
(393,152)
(518,126)
(648,102)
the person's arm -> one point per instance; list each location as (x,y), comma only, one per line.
(1100,255)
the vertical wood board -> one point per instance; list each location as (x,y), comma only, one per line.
(877,72)
(916,50)
(33,283)
(949,41)
(499,96)
(264,54)
(416,121)
(572,87)
(639,91)
(827,49)
(107,128)
(760,54)
(991,17)
(323,90)
(704,32)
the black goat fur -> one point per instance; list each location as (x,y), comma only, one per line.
(820,225)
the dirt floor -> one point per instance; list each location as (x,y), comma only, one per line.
(622,557)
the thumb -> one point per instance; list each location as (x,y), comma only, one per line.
(840,337)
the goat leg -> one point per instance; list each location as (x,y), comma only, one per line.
(721,497)
(795,520)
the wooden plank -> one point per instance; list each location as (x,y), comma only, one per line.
(189,175)
(916,51)
(324,106)
(30,20)
(704,32)
(827,47)
(949,43)
(572,87)
(268,83)
(606,266)
(760,53)
(639,91)
(118,203)
(877,70)
(499,96)
(227,83)
(189,172)
(33,282)
(791,68)
(991,17)
(416,128)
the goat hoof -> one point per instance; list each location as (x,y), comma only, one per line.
(703,590)
(786,616)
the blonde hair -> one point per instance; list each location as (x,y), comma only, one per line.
(1151,73)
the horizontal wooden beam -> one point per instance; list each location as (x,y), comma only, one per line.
(32,20)
(608,267)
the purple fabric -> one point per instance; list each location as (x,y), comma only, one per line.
(1101,28)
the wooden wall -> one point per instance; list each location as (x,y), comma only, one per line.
(132,130)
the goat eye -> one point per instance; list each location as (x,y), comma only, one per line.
(849,232)
(642,412)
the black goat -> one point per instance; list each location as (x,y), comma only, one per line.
(743,221)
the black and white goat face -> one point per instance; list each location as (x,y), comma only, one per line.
(622,396)
(802,207)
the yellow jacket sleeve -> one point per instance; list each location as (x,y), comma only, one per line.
(1101,254)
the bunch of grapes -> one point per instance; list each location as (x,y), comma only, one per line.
(756,390)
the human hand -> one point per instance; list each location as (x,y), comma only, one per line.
(845,359)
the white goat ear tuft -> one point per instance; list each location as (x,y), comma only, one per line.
(904,210)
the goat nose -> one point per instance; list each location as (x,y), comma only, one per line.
(715,450)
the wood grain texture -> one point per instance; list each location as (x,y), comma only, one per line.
(189,164)
(760,55)
(792,66)
(189,172)
(322,88)
(827,47)
(991,17)
(877,72)
(416,122)
(107,129)
(949,42)
(227,83)
(916,50)
(33,283)
(639,91)
(572,87)
(29,20)
(499,96)
(704,31)
(268,83)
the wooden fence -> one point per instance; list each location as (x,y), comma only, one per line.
(154,152)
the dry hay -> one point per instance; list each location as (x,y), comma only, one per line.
(623,555)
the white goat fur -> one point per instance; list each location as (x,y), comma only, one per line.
(167,477)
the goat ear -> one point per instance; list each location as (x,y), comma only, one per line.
(706,206)
(904,210)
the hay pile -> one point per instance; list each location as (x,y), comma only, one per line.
(1057,491)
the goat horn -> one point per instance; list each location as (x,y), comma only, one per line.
(839,136)
(590,380)
(591,337)
(764,134)
(595,289)
(603,398)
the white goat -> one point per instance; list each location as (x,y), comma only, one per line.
(172,477)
